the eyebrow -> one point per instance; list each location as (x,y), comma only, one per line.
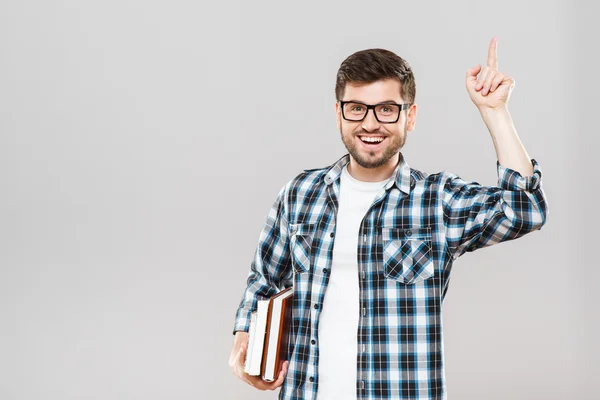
(381,102)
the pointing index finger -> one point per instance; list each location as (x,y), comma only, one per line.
(492,60)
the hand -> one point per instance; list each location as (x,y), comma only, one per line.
(492,89)
(236,363)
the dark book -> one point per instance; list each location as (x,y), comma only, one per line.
(277,334)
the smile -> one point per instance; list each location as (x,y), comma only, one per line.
(371,140)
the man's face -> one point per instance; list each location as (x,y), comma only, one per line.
(369,155)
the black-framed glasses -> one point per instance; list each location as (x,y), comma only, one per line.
(386,113)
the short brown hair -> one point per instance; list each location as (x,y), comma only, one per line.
(368,66)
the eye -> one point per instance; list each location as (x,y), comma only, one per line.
(387,109)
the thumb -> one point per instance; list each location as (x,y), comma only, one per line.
(472,73)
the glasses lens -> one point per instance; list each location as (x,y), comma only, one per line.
(354,111)
(387,112)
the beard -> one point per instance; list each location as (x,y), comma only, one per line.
(371,158)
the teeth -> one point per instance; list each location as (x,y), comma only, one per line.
(371,139)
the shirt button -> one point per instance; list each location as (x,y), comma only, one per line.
(313,341)
(331,234)
(311,379)
(316,306)
(325,270)
(408,232)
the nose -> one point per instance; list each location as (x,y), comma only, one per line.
(370,123)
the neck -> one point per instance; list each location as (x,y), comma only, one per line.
(378,174)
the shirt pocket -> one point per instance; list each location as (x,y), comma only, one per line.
(407,254)
(301,239)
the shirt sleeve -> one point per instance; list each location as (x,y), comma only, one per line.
(478,216)
(270,270)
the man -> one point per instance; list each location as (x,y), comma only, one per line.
(367,311)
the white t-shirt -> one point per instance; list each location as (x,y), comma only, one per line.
(338,323)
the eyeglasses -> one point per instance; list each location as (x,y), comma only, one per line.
(386,113)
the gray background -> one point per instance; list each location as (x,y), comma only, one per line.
(142,143)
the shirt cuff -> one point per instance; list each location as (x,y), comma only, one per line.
(509,179)
(242,320)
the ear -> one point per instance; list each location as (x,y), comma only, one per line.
(412,117)
(338,115)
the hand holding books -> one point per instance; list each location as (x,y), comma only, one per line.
(259,356)
(236,363)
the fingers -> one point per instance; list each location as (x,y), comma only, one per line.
(472,72)
(241,355)
(490,79)
(255,381)
(496,82)
(282,374)
(492,60)
(485,89)
(482,77)
(234,356)
(237,364)
(259,383)
(280,378)
(492,82)
(486,72)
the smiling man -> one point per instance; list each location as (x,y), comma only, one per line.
(368,242)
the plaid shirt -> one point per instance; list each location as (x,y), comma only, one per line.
(408,240)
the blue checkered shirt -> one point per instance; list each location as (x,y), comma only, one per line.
(408,240)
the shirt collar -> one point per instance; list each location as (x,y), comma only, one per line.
(401,176)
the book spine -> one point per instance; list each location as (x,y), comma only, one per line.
(284,328)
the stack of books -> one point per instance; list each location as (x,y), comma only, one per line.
(269,335)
